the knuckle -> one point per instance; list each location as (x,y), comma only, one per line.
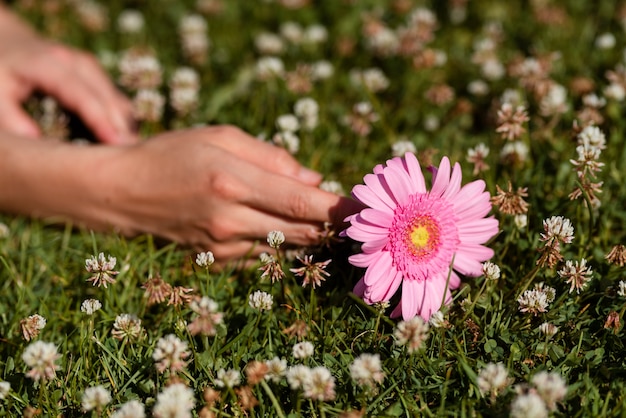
(224,186)
(298,205)
(284,160)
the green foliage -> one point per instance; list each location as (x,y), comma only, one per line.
(42,266)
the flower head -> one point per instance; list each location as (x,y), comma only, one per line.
(205,259)
(261,301)
(32,325)
(275,238)
(131,409)
(170,354)
(227,378)
(493,379)
(5,388)
(127,327)
(41,357)
(411,333)
(176,400)
(95,398)
(303,349)
(312,273)
(102,269)
(90,306)
(207,317)
(366,370)
(577,275)
(276,369)
(419,238)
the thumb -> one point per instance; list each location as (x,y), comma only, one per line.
(14,119)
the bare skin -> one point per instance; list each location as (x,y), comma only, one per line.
(30,63)
(215,189)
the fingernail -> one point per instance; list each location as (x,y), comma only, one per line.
(309,176)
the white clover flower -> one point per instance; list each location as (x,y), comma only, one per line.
(227,378)
(175,401)
(615,91)
(373,79)
(269,43)
(493,379)
(102,269)
(32,326)
(127,327)
(592,137)
(297,376)
(130,21)
(555,101)
(515,150)
(431,123)
(269,67)
(399,148)
(303,350)
(605,41)
(205,259)
(411,333)
(315,34)
(622,288)
(5,388)
(148,105)
(550,387)
(170,354)
(292,32)
(307,110)
(593,100)
(287,123)
(529,405)
(261,301)
(95,398)
(558,228)
(320,385)
(478,88)
(533,301)
(437,320)
(276,369)
(492,69)
(548,329)
(90,306)
(520,221)
(131,409)
(576,274)
(288,140)
(366,370)
(322,70)
(275,238)
(491,271)
(41,357)
(4,230)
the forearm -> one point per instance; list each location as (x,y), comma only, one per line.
(51,179)
(11,24)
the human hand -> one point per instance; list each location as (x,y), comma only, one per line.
(30,63)
(215,189)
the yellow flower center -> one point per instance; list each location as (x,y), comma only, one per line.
(420,236)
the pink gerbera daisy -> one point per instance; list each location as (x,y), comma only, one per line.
(419,238)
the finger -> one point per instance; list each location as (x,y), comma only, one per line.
(245,223)
(82,96)
(262,154)
(14,119)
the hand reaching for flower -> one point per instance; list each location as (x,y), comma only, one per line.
(215,189)
(29,63)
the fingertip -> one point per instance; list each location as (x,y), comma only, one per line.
(309,176)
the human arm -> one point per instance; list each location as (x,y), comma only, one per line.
(215,189)
(30,63)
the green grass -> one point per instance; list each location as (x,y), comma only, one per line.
(42,266)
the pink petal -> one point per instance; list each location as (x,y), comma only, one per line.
(366,195)
(433,296)
(364,233)
(376,217)
(359,288)
(399,184)
(478,232)
(467,265)
(385,291)
(442,179)
(362,259)
(375,183)
(415,172)
(455,182)
(412,298)
(374,245)
(378,271)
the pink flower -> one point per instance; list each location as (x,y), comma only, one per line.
(413,237)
